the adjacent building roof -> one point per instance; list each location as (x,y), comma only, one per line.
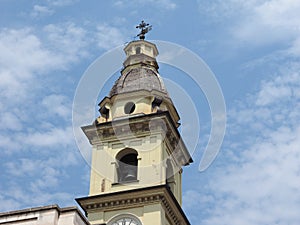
(45,215)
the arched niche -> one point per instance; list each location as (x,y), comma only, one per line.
(127,165)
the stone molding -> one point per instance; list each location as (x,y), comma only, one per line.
(136,198)
(141,126)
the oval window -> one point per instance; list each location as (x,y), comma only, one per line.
(129,108)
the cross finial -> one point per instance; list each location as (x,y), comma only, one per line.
(145,28)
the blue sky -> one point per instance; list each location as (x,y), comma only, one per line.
(252,47)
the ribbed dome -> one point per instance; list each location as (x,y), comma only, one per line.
(138,79)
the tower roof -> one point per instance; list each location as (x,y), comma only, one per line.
(139,79)
(140,72)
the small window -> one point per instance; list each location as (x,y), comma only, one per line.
(129,108)
(138,50)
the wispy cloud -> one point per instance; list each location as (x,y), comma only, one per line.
(68,43)
(49,7)
(51,137)
(108,36)
(270,22)
(162,4)
(62,105)
(258,22)
(61,3)
(39,10)
(261,175)
(34,117)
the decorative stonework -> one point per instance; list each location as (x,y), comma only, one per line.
(141,126)
(141,197)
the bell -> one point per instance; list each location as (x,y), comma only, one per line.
(129,173)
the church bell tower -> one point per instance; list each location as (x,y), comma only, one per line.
(137,151)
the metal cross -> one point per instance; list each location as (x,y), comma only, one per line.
(145,28)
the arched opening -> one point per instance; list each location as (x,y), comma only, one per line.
(170,179)
(138,50)
(127,165)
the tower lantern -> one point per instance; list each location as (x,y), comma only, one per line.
(137,151)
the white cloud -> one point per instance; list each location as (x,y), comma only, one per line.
(49,138)
(161,4)
(191,199)
(58,105)
(38,174)
(49,177)
(259,183)
(27,104)
(7,203)
(7,144)
(21,55)
(49,7)
(22,167)
(109,37)
(259,22)
(39,10)
(25,59)
(270,22)
(24,56)
(10,121)
(68,42)
(277,90)
(61,3)
(266,182)
(28,198)
(294,49)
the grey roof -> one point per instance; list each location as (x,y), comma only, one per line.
(140,78)
(43,208)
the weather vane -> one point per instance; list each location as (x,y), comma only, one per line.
(145,28)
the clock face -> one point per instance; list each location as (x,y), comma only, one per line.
(126,221)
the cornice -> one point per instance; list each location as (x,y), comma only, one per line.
(140,126)
(136,198)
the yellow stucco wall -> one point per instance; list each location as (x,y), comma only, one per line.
(148,215)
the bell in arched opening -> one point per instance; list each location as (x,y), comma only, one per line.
(127,170)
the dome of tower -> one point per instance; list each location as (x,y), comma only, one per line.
(139,79)
(140,88)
